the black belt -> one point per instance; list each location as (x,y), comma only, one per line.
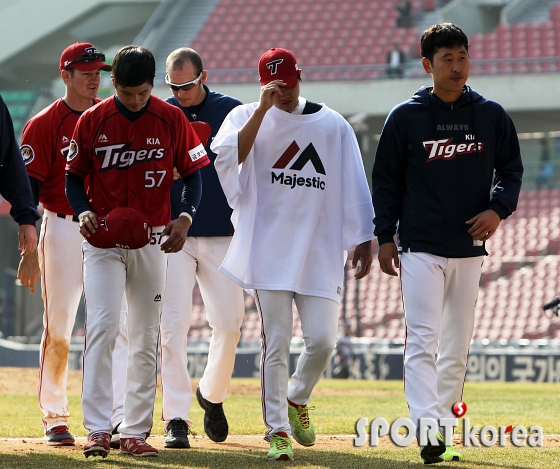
(62,215)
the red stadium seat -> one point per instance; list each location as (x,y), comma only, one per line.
(430,5)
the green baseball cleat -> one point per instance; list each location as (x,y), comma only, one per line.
(303,430)
(451,455)
(281,448)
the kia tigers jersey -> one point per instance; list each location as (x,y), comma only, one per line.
(130,162)
(300,200)
(44,148)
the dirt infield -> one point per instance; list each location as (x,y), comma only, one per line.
(233,442)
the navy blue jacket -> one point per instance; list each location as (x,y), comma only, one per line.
(213,215)
(14,182)
(434,170)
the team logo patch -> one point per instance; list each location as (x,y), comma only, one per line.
(73,150)
(197,152)
(27,153)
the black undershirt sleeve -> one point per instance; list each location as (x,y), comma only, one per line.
(192,192)
(76,193)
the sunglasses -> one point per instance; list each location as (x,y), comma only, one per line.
(185,86)
(86,57)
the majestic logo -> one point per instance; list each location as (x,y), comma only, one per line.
(103,138)
(444,149)
(120,157)
(273,66)
(65,139)
(309,154)
(158,297)
(27,153)
(152,141)
(72,151)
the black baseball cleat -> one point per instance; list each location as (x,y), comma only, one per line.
(59,436)
(177,434)
(215,422)
(431,454)
(116,437)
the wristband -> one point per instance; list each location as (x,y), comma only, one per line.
(185,214)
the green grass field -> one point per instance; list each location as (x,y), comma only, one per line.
(339,404)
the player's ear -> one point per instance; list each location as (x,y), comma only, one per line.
(427,65)
(299,75)
(65,75)
(113,81)
(204,77)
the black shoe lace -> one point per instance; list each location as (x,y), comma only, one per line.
(178,429)
(217,414)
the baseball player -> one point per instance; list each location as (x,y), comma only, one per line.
(207,243)
(14,187)
(129,145)
(432,176)
(45,143)
(300,200)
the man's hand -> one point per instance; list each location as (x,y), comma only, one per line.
(363,254)
(88,224)
(387,256)
(484,225)
(177,231)
(28,272)
(269,93)
(27,239)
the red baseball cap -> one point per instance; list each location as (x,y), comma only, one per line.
(83,56)
(278,64)
(124,228)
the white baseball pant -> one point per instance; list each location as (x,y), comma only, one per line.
(60,260)
(108,273)
(199,260)
(120,363)
(439,296)
(319,324)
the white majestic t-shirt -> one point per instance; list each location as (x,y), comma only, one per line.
(300,201)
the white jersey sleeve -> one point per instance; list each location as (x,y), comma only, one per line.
(355,192)
(233,177)
(239,185)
